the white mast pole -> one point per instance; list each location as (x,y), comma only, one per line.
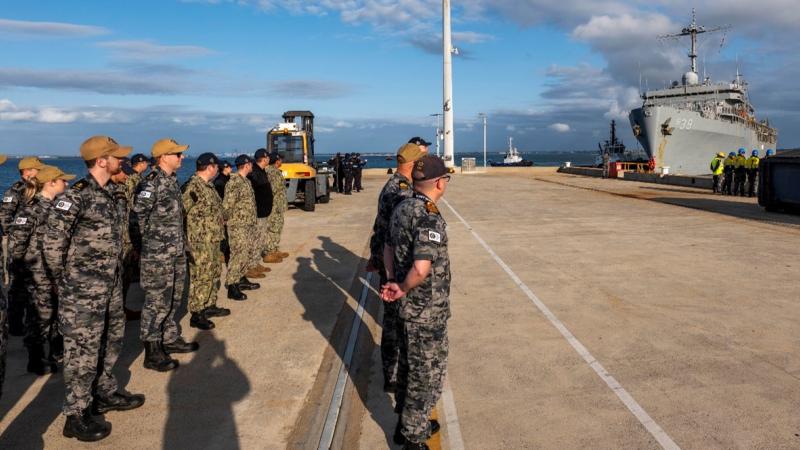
(447,101)
(483,116)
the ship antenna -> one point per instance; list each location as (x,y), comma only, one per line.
(692,31)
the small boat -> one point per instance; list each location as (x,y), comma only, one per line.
(389,158)
(512,158)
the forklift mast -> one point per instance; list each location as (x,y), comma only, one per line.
(306,124)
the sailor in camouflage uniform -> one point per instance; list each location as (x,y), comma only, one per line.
(157,228)
(417,256)
(82,246)
(204,232)
(279,207)
(239,209)
(395,190)
(13,198)
(138,165)
(25,235)
(3,309)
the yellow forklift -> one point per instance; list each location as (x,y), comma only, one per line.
(307,182)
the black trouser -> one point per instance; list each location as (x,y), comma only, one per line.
(752,175)
(348,182)
(339,181)
(715,184)
(727,181)
(740,175)
(358,181)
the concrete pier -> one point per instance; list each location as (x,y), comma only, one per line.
(587,313)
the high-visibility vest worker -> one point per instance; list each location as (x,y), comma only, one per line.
(752,162)
(730,161)
(717,164)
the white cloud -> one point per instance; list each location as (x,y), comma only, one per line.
(148,50)
(559,127)
(49,29)
(10,112)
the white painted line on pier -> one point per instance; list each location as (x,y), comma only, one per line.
(655,430)
(454,439)
(332,418)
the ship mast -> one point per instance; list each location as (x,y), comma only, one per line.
(693,30)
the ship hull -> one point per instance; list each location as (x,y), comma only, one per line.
(691,140)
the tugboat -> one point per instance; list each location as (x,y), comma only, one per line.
(512,158)
(616,150)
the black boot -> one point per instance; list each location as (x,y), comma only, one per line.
(84,428)
(156,359)
(181,346)
(247,285)
(415,446)
(399,439)
(215,311)
(36,361)
(234,293)
(118,401)
(199,320)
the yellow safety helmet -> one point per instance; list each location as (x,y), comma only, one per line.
(721,155)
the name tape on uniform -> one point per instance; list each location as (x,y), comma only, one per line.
(64,205)
(8,199)
(21,221)
(145,194)
(434,236)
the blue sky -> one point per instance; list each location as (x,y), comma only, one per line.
(216,74)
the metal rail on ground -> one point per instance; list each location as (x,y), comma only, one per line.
(334,409)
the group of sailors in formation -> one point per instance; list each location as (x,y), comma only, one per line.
(74,249)
(731,173)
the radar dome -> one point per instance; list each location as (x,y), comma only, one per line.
(690,79)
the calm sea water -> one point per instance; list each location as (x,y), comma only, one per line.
(74,165)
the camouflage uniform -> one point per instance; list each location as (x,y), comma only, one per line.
(83,248)
(418,232)
(394,191)
(279,207)
(130,256)
(157,229)
(18,298)
(239,208)
(25,250)
(204,230)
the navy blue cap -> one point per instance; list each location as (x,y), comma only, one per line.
(125,164)
(260,153)
(138,158)
(153,161)
(223,164)
(242,160)
(206,159)
(419,141)
(274,156)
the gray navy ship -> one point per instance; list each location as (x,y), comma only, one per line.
(683,126)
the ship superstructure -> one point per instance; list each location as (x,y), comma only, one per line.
(683,126)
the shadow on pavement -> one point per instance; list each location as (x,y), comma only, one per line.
(741,210)
(321,291)
(201,396)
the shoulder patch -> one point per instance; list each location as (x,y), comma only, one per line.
(20,221)
(64,205)
(431,207)
(80,185)
(404,186)
(152,174)
(145,194)
(434,237)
